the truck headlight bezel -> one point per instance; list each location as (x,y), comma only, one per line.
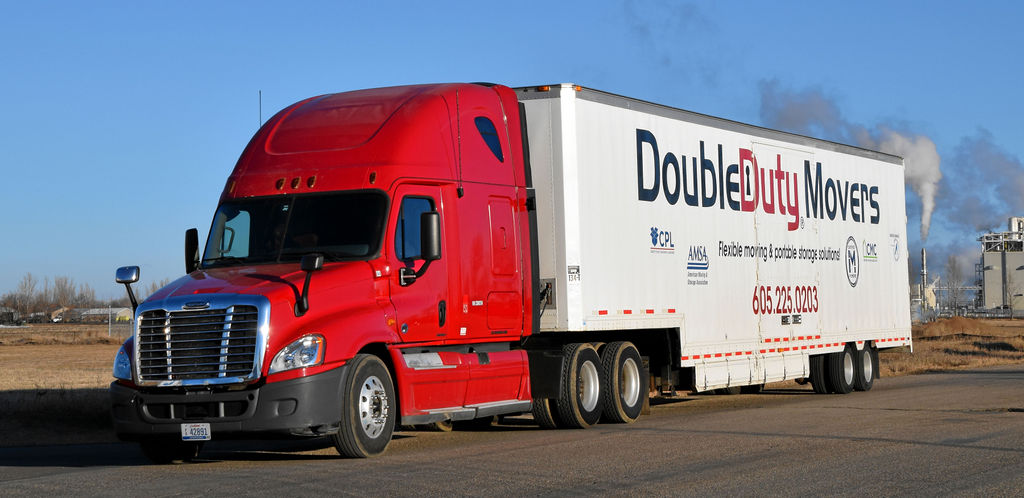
(123,362)
(306,351)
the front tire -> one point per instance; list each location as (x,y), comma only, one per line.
(579,393)
(624,382)
(369,408)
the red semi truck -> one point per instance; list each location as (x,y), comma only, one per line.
(432,253)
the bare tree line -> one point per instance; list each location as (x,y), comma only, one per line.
(33,296)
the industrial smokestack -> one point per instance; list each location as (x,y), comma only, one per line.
(924,276)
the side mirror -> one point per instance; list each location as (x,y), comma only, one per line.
(128,275)
(309,264)
(430,235)
(430,247)
(191,250)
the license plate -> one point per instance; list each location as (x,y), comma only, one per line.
(195,432)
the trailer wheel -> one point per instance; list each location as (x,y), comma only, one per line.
(368,411)
(544,413)
(865,366)
(579,392)
(818,378)
(162,451)
(625,385)
(841,370)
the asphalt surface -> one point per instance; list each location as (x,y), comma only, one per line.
(951,433)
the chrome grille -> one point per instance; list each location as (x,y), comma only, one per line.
(198,344)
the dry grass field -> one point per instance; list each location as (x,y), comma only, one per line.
(54,378)
(956,344)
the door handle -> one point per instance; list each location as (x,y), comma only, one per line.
(442,312)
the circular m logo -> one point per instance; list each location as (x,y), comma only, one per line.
(852,261)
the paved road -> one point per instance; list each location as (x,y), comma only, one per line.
(955,433)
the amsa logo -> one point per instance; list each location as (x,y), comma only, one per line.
(698,259)
(852,262)
(661,241)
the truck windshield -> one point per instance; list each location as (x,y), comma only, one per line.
(341,226)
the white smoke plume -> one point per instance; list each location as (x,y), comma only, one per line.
(811,112)
(921,172)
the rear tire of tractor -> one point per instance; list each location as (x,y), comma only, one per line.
(579,392)
(162,451)
(841,370)
(544,413)
(865,366)
(817,374)
(368,410)
(624,383)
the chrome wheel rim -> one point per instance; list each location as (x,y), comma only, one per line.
(373,407)
(848,367)
(629,380)
(589,386)
(869,364)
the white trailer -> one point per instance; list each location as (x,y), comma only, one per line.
(765,252)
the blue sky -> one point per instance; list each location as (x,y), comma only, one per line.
(122,120)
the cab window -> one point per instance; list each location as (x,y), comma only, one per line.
(407,233)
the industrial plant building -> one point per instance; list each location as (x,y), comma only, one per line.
(1002,267)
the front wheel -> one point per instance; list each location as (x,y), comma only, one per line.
(368,413)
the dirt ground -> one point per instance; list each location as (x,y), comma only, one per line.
(53,385)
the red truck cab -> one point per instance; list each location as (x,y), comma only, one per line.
(369,264)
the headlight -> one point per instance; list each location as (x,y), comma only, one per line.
(123,362)
(305,352)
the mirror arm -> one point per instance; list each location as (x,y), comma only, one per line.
(309,264)
(131,297)
(408,276)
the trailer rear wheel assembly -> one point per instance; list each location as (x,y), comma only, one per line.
(579,392)
(818,379)
(624,383)
(841,370)
(866,365)
(368,411)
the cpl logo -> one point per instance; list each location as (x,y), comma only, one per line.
(661,240)
(852,262)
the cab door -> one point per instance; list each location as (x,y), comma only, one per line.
(421,304)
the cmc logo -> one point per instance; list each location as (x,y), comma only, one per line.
(698,259)
(661,240)
(870,251)
(852,262)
